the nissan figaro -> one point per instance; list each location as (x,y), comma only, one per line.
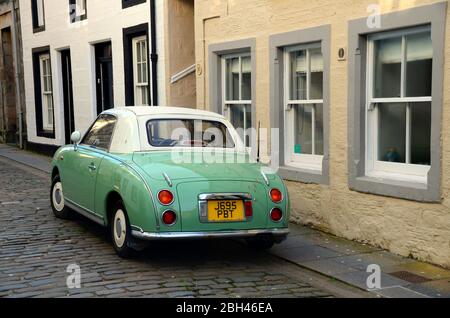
(166,173)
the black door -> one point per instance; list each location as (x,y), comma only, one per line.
(104,76)
(69,117)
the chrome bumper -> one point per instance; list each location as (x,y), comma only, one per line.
(277,233)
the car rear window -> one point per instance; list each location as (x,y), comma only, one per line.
(189,133)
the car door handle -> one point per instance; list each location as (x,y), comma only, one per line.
(92,167)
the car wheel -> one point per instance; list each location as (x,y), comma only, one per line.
(121,231)
(260,243)
(60,210)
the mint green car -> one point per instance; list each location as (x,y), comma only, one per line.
(164,173)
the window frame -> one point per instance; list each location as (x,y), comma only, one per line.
(35,16)
(303,161)
(314,170)
(48,123)
(38,98)
(90,128)
(74,14)
(358,31)
(215,53)
(136,64)
(375,167)
(227,105)
(131,3)
(129,34)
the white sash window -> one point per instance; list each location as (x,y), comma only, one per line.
(399,99)
(140,71)
(304,106)
(46,92)
(237,92)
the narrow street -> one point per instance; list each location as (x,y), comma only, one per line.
(36,249)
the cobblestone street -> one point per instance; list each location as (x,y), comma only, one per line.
(36,248)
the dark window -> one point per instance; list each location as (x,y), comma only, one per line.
(137,66)
(78,10)
(130,3)
(188,133)
(43,92)
(38,15)
(100,134)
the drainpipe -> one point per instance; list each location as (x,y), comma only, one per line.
(17,67)
(153,53)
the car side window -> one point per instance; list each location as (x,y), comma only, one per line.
(100,134)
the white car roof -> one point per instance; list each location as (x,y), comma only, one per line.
(132,120)
(163,110)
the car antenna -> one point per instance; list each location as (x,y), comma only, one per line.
(258,158)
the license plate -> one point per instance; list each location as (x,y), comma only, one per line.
(225,211)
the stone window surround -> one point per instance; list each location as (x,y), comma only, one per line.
(277,44)
(216,51)
(434,15)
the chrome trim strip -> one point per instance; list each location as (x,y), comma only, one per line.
(85,212)
(225,196)
(207,235)
(167,178)
(266,180)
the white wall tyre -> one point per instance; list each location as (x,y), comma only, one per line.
(120,231)
(57,199)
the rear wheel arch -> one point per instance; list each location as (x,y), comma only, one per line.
(111,201)
(55,172)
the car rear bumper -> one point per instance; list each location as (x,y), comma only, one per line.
(278,234)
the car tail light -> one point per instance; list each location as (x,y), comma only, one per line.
(169,218)
(276,214)
(248,209)
(276,195)
(165,197)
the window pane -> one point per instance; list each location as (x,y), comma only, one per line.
(144,51)
(318,132)
(144,72)
(232,79)
(421,133)
(316,88)
(101,132)
(246,78)
(388,56)
(40,12)
(298,76)
(241,118)
(419,64)
(392,133)
(182,133)
(138,52)
(50,109)
(303,129)
(144,91)
(139,73)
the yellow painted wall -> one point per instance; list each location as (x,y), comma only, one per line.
(403,227)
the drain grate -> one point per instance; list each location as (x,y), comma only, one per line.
(410,277)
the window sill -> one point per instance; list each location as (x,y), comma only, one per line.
(384,176)
(303,175)
(395,188)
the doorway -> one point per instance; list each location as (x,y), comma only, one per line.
(69,116)
(8,112)
(104,76)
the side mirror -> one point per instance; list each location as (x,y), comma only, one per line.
(76,138)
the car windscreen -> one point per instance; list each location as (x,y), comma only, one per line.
(188,133)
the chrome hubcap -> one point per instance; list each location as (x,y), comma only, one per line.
(120,226)
(58,197)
